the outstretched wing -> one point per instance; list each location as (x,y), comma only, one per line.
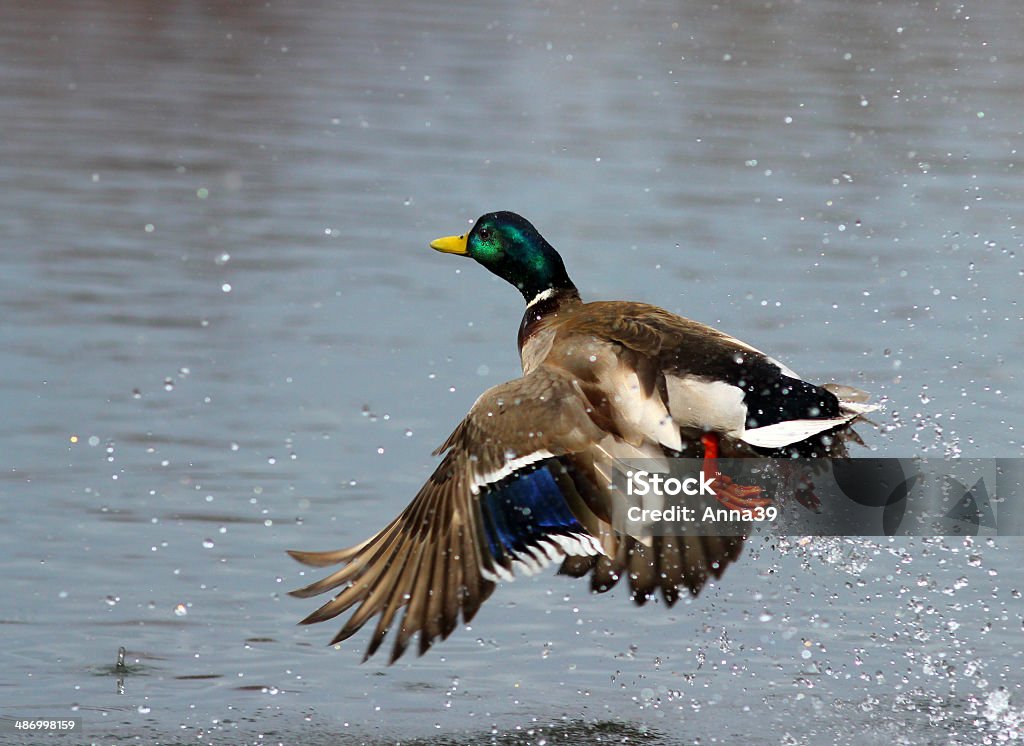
(501,500)
(510,497)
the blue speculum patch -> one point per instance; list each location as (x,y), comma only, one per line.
(523,509)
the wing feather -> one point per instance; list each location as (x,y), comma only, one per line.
(436,559)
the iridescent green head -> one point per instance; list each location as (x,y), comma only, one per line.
(509,246)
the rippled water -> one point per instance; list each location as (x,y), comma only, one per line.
(224,336)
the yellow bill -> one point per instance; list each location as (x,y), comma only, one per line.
(450,244)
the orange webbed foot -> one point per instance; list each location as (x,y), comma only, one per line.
(737,496)
(731,495)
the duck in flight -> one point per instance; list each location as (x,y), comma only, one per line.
(524,478)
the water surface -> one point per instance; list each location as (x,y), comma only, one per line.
(224,336)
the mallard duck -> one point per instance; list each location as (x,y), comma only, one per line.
(522,482)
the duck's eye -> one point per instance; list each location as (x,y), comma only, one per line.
(484,234)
